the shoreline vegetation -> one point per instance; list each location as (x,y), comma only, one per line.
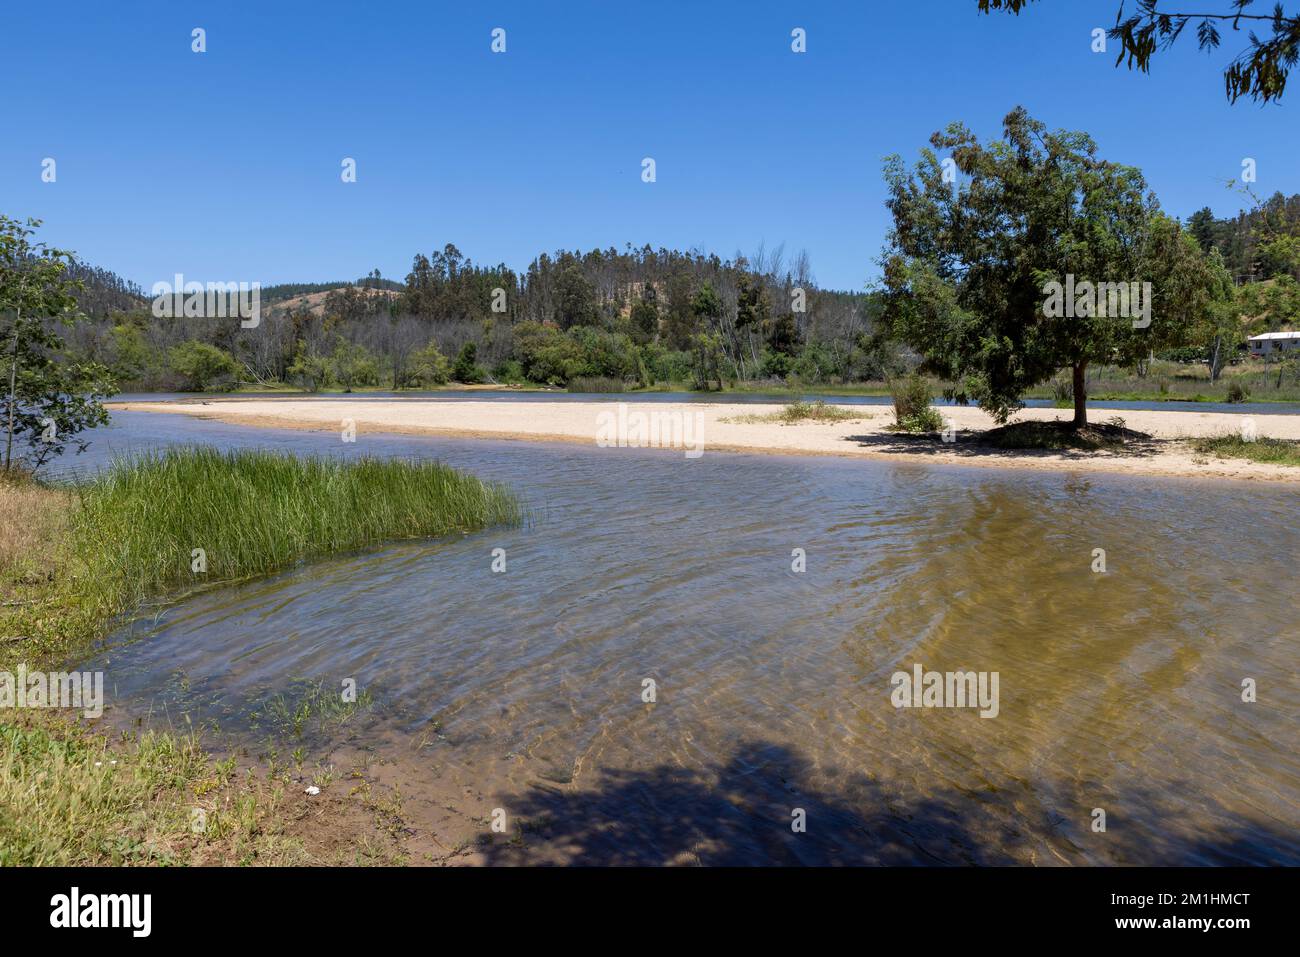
(76,559)
(1148,443)
(1168,382)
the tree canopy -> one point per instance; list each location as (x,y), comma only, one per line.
(48,397)
(975,265)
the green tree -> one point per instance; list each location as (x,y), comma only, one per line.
(575,300)
(645,318)
(353,365)
(783,336)
(706,348)
(49,398)
(134,359)
(466,368)
(430,367)
(970,267)
(310,370)
(680,325)
(203,366)
(1217,328)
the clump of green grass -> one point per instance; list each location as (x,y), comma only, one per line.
(912,409)
(798,411)
(817,411)
(189,517)
(307,704)
(1273,451)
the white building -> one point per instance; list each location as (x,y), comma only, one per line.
(1272,343)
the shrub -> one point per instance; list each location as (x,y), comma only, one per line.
(912,410)
(776,365)
(204,367)
(1062,393)
(509,371)
(353,365)
(429,367)
(310,371)
(546,354)
(1237,392)
(466,368)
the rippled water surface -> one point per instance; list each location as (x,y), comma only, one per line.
(523,690)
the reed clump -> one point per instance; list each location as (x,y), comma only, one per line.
(187,517)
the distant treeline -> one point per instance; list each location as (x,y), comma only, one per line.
(1256,244)
(643,316)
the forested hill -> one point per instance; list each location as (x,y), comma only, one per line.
(636,314)
(1259,243)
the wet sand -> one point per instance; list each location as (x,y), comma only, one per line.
(732,427)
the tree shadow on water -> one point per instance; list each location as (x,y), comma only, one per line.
(740,814)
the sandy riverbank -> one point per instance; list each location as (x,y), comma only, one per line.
(732,427)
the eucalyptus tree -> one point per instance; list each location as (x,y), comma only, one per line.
(1144,28)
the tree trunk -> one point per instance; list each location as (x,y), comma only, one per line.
(13,388)
(1080,395)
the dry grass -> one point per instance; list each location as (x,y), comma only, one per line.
(32,520)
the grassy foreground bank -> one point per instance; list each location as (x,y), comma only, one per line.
(73,559)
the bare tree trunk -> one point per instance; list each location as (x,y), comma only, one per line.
(1080,395)
(13,388)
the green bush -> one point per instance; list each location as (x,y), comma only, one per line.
(310,371)
(204,367)
(912,409)
(1237,392)
(429,367)
(353,365)
(510,371)
(466,368)
(776,365)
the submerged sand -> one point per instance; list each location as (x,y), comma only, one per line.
(736,427)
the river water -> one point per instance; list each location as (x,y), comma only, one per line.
(524,690)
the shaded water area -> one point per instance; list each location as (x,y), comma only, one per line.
(523,690)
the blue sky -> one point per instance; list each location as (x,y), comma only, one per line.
(225,166)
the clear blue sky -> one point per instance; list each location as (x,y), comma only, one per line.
(225,166)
